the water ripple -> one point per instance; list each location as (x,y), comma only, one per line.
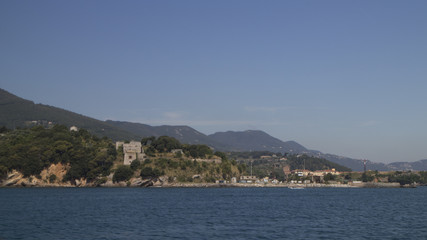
(224,213)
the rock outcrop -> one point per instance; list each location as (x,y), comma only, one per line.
(12,178)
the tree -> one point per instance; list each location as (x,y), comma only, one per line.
(122,173)
(3,129)
(52,178)
(178,155)
(3,172)
(328,177)
(241,167)
(148,172)
(165,144)
(226,169)
(135,164)
(112,150)
(367,178)
(423,177)
(221,155)
(147,140)
(198,151)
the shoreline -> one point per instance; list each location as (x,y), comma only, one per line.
(157,184)
(16,180)
(292,185)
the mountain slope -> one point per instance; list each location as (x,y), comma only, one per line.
(354,164)
(18,112)
(184,134)
(254,140)
(417,166)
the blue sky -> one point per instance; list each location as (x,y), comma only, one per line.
(342,77)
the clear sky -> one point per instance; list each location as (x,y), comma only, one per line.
(342,77)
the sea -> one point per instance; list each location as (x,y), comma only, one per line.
(213,213)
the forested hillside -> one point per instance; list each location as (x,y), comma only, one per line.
(86,157)
(17,112)
(32,150)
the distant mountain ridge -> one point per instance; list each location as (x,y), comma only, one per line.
(17,112)
(416,166)
(184,134)
(250,140)
(255,140)
(355,164)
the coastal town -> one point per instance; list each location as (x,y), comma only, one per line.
(296,178)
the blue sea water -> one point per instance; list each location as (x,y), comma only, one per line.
(212,213)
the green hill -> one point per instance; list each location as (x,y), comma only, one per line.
(75,156)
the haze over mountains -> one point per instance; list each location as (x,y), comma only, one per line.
(18,112)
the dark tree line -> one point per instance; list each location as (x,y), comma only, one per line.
(164,144)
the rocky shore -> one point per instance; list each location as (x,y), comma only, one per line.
(16,179)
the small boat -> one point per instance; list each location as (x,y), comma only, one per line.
(296,187)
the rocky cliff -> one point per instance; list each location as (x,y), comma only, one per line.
(53,177)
